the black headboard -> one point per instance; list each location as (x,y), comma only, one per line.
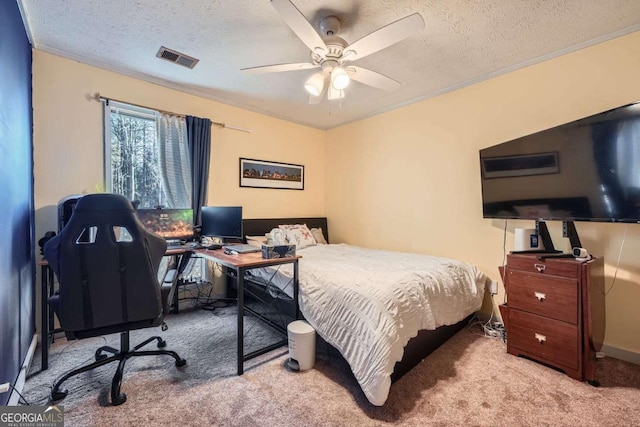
(258,227)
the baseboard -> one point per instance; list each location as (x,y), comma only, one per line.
(14,398)
(621,354)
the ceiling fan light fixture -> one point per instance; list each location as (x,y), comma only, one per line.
(315,84)
(331,53)
(339,78)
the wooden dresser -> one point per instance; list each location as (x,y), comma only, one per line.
(555,312)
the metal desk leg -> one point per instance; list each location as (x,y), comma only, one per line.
(240,338)
(44,317)
(295,289)
(50,285)
(181,261)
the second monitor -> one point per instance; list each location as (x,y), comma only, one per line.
(224,222)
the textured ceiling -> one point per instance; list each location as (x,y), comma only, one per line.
(463,42)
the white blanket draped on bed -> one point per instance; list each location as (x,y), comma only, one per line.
(369,303)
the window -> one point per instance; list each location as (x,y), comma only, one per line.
(146,156)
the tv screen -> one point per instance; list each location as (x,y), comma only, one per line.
(172,224)
(586,170)
(222,221)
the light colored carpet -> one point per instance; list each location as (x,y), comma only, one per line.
(470,380)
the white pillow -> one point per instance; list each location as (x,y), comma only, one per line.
(299,235)
(257,240)
(318,236)
(278,237)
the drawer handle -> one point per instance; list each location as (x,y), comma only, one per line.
(541,338)
(540,267)
(540,296)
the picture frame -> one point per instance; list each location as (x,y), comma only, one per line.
(267,174)
(521,165)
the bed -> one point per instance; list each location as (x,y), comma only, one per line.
(383,311)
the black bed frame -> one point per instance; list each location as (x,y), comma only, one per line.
(416,349)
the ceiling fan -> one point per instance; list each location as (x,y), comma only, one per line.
(332,54)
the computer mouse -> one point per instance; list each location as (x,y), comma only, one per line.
(230,252)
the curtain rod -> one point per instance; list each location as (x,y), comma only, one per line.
(101,98)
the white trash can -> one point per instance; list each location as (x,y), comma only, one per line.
(302,346)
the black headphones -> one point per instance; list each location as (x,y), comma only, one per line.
(47,236)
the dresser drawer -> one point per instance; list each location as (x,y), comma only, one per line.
(549,296)
(555,267)
(553,341)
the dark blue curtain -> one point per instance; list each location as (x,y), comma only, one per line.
(199,138)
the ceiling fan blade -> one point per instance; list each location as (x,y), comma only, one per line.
(279,67)
(384,37)
(371,78)
(299,24)
(335,93)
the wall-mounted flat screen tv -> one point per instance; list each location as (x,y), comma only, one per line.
(586,170)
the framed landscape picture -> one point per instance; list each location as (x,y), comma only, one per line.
(265,174)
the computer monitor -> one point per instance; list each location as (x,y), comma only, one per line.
(222,221)
(172,224)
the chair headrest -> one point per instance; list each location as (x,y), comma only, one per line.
(104,202)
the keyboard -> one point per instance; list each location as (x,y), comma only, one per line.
(174,244)
(243,249)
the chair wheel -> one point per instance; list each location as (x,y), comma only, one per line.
(100,357)
(162,344)
(180,363)
(119,400)
(59,394)
(594,383)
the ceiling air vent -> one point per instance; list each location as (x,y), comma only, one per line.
(177,57)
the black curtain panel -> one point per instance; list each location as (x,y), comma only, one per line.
(199,139)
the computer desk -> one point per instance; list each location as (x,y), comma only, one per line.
(239,263)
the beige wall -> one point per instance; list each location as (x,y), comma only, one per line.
(68,141)
(410,179)
(407,179)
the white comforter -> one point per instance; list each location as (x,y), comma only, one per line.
(369,303)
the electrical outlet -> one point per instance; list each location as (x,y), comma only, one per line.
(493,287)
(4,387)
